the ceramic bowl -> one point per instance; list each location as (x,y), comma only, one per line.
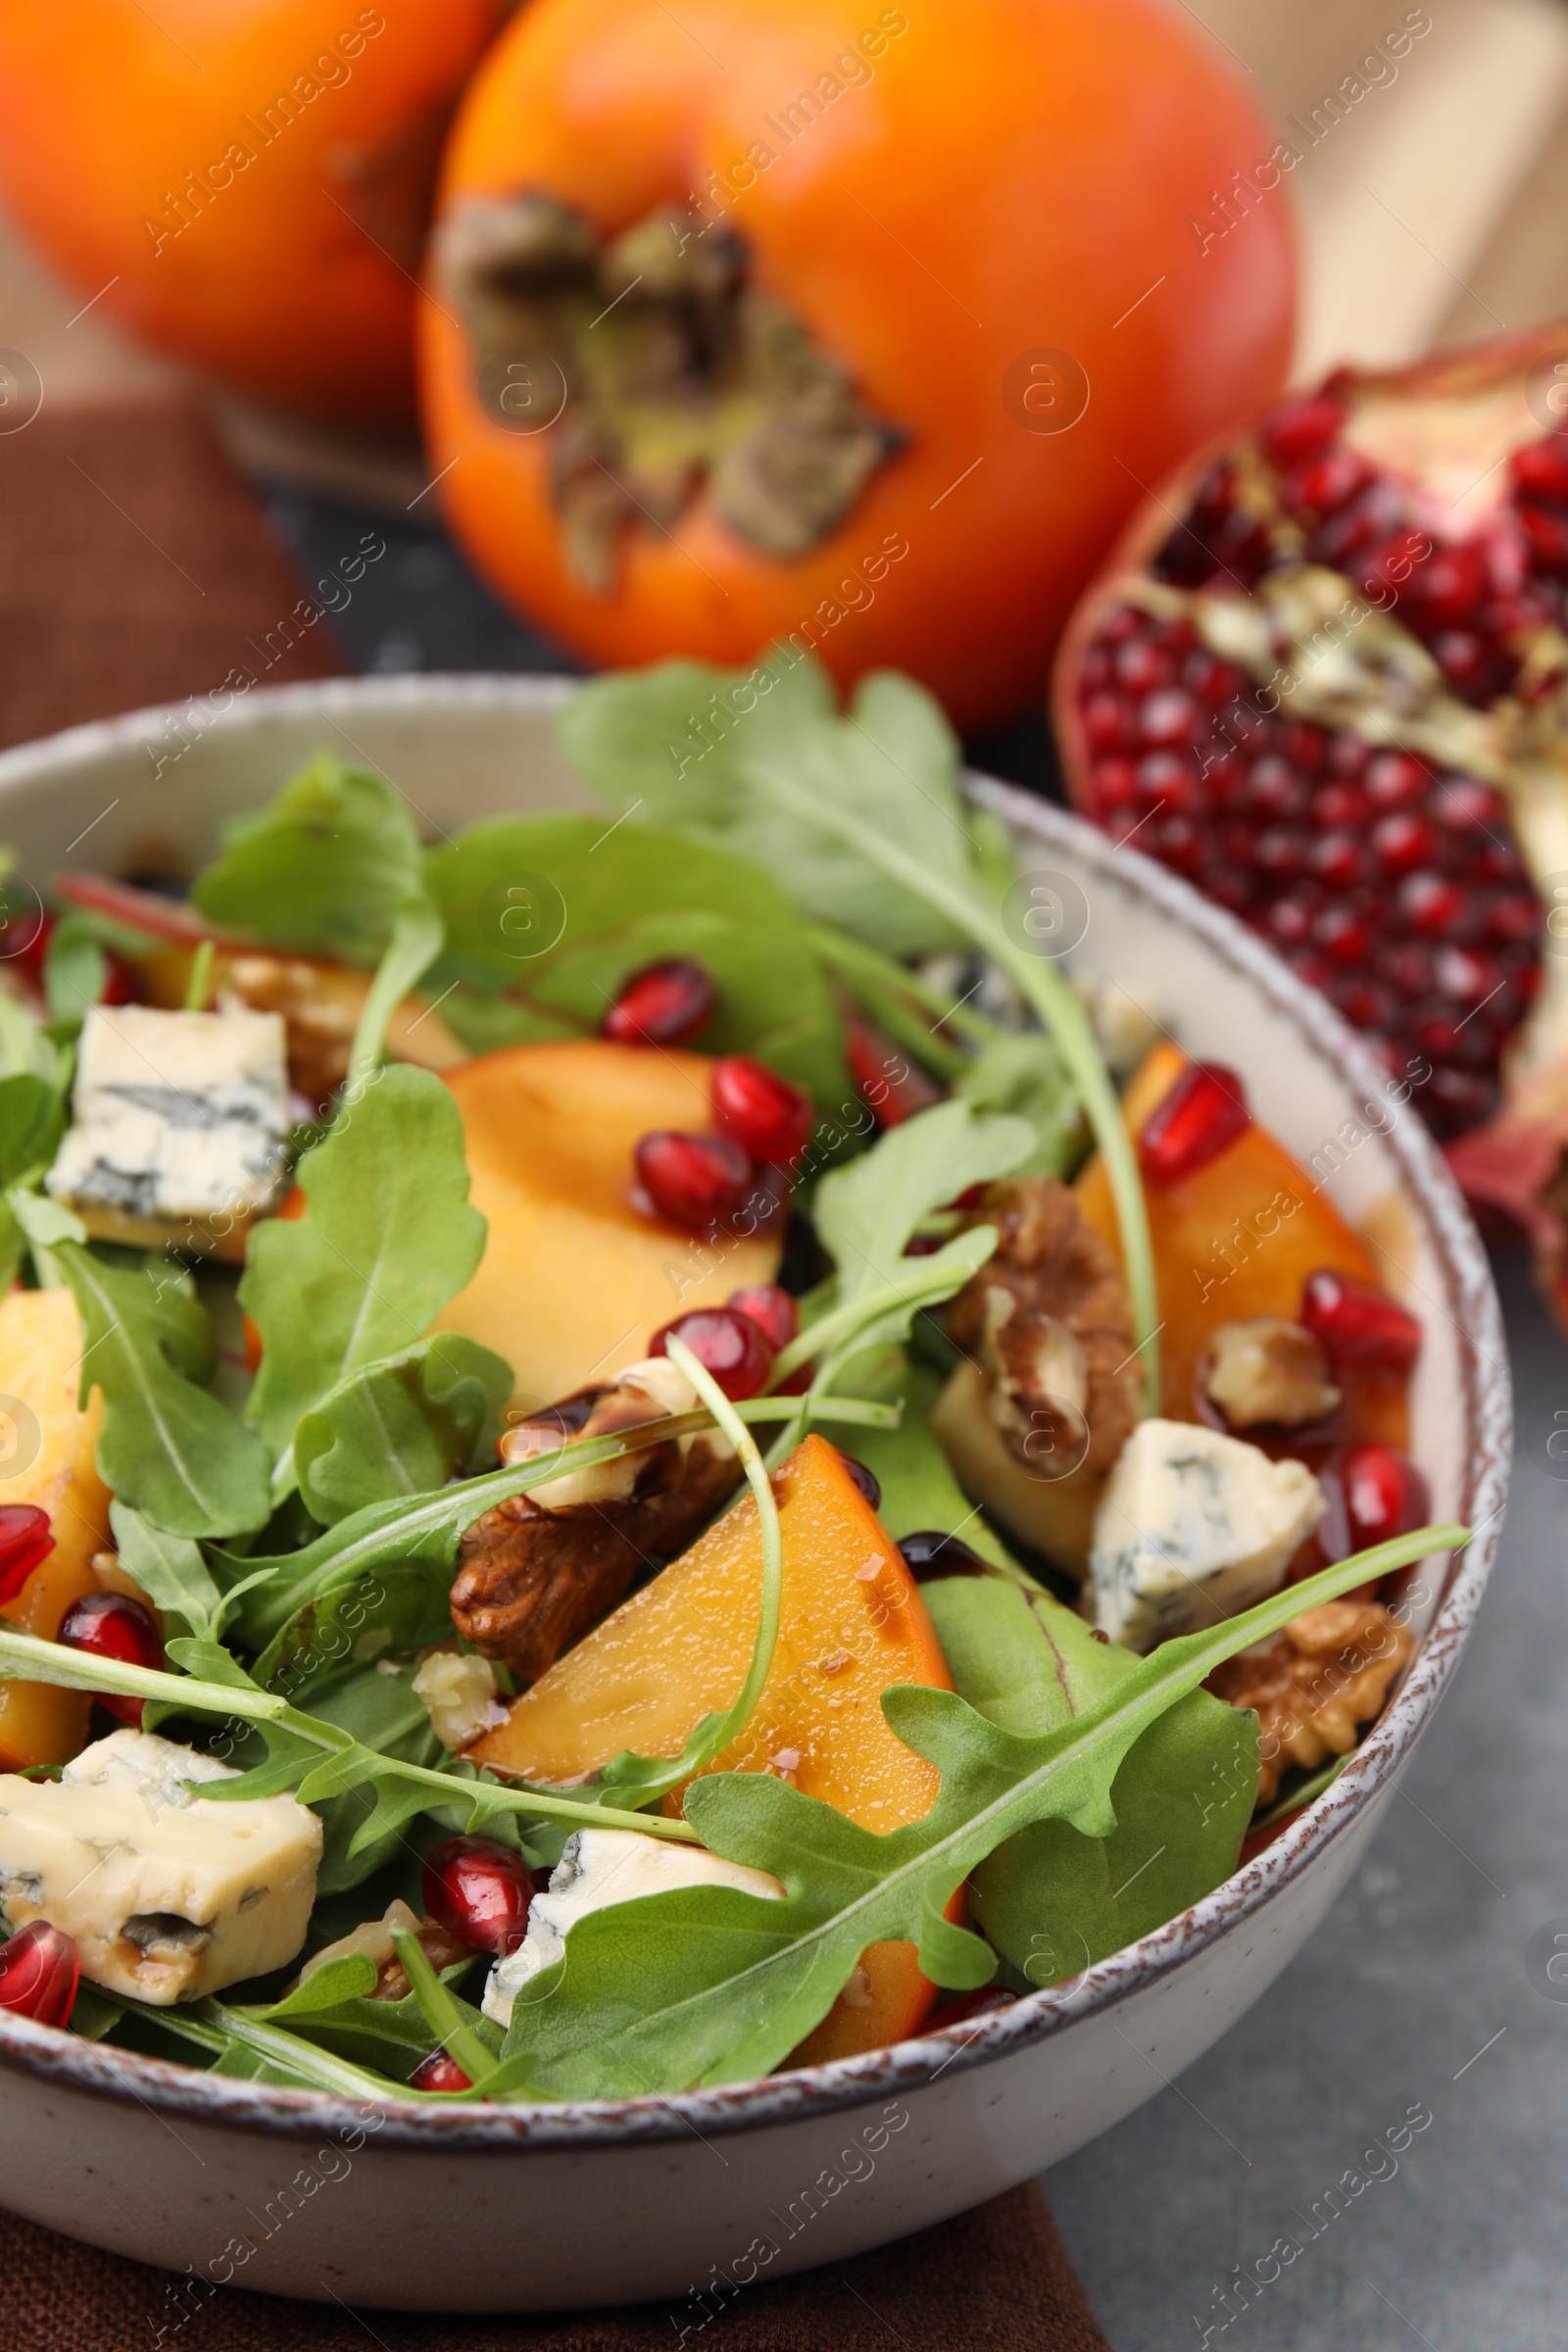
(683,2200)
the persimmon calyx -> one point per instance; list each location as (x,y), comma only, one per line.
(676,378)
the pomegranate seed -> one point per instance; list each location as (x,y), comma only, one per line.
(1324,483)
(1231,888)
(1312,969)
(479,1891)
(438,2071)
(39,1971)
(1344,935)
(1097,669)
(929,1554)
(1336,806)
(1169,780)
(1179,844)
(772,1309)
(727,1343)
(111,1625)
(760,1110)
(1297,429)
(1144,665)
(1201,1114)
(1403,841)
(1365,1003)
(1464,805)
(866,1482)
(1454,1099)
(1541,468)
(1435,1028)
(1374,1494)
(1469,978)
(1450,585)
(1392,566)
(1515,917)
(1168,718)
(1431,903)
(1546,528)
(1290,919)
(1274,789)
(27,1539)
(873,1059)
(1338,860)
(1358,525)
(664,1005)
(1108,724)
(1123,622)
(966,2005)
(1115,784)
(1303,744)
(1406,966)
(1213,680)
(1349,755)
(1394,778)
(1463,656)
(1280,853)
(694,1180)
(1355,1324)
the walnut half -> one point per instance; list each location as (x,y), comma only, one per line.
(535,1572)
(1327,1673)
(1265,1371)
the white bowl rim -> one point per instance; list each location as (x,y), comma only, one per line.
(845,2084)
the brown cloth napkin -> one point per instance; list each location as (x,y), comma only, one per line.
(993,2281)
(135,569)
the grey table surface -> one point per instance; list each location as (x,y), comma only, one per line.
(1425,1990)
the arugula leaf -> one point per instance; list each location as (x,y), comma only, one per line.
(1053,1901)
(400,1427)
(74,972)
(414,943)
(1022,1072)
(170,1569)
(33,1119)
(891,757)
(389,1236)
(703,1986)
(918,1489)
(598,905)
(323,870)
(332,2009)
(167,1446)
(795,790)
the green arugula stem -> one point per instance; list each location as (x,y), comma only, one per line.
(1049,993)
(445,2019)
(914,1290)
(418,934)
(199,987)
(888,991)
(22,1656)
(733,1722)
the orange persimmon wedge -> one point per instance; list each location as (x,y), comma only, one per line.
(52,1445)
(1237,1238)
(574,1280)
(853,1623)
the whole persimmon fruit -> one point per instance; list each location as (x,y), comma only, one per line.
(246,185)
(756,321)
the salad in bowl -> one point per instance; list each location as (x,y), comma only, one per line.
(644,1451)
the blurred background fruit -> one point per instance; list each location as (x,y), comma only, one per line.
(739,326)
(246,187)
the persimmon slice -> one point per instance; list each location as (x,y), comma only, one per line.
(853,1623)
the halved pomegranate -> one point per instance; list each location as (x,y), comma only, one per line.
(1334,696)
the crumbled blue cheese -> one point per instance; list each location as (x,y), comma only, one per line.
(181,1120)
(1193,1526)
(598,1869)
(461,1694)
(166,1895)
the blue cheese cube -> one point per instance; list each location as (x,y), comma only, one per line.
(180,1125)
(1193,1526)
(598,1869)
(167,1895)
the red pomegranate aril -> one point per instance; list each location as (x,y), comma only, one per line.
(1541,468)
(1546,528)
(1280,853)
(1289,922)
(1335,806)
(1339,860)
(1365,1003)
(1451,584)
(1374,1492)
(1312,969)
(1465,977)
(1201,1114)
(1213,680)
(1169,781)
(438,2071)
(1303,744)
(664,1005)
(1349,755)
(1464,805)
(1144,664)
(479,1891)
(1353,1324)
(27,1539)
(1168,718)
(1097,671)
(1431,903)
(1455,1099)
(111,1625)
(966,2005)
(1464,659)
(1225,778)
(771,1308)
(39,1971)
(695,1180)
(1177,842)
(1436,1029)
(1406,966)
(1395,778)
(760,1110)
(1274,789)
(1403,841)
(1514,916)
(1324,483)
(1357,525)
(1109,724)
(1229,886)
(1120,623)
(727,1343)
(1297,429)
(1117,784)
(1344,935)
